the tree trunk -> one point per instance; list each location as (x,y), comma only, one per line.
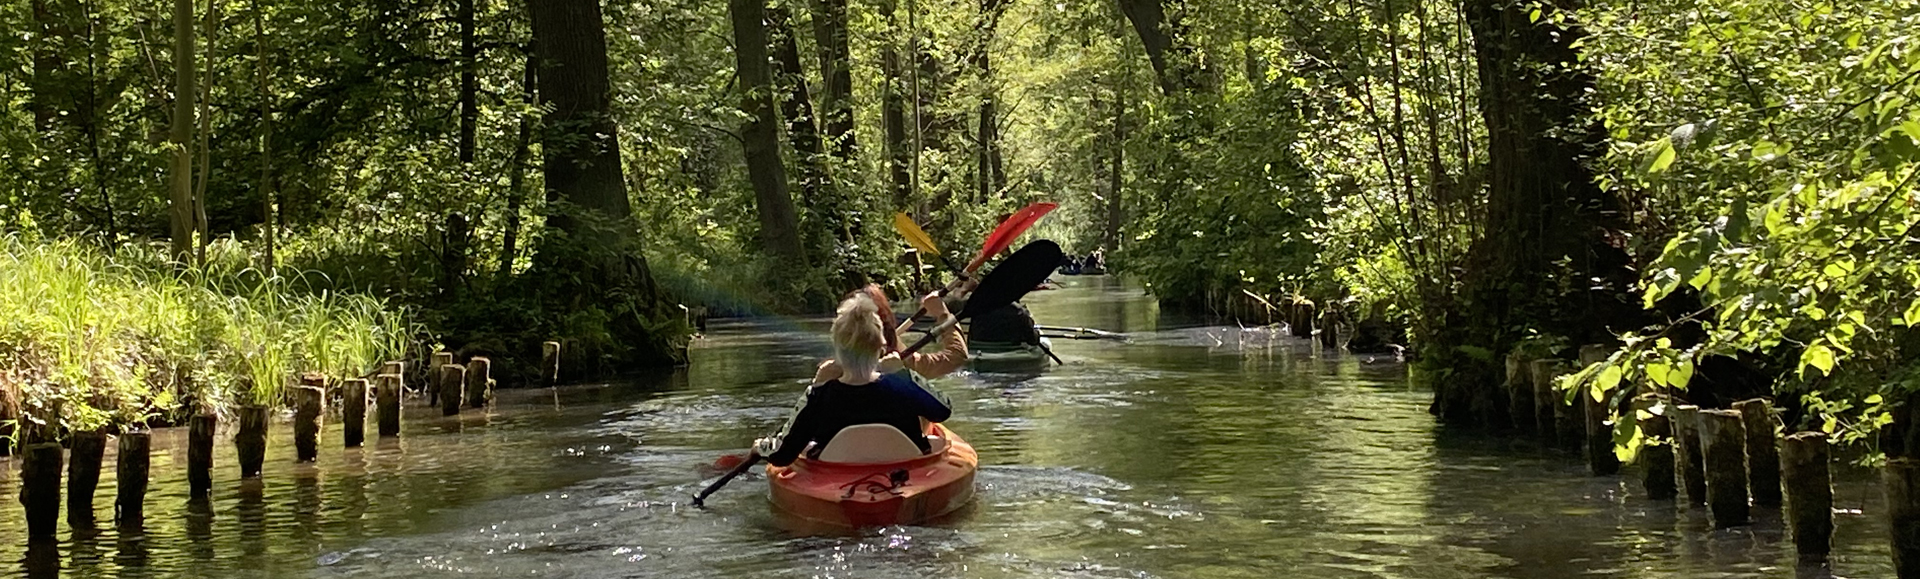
(586,192)
(893,113)
(826,220)
(1116,176)
(211,22)
(180,167)
(517,173)
(779,228)
(469,84)
(268,227)
(830,32)
(990,174)
(1543,204)
(1177,63)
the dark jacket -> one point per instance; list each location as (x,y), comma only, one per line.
(898,399)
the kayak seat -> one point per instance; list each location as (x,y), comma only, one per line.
(869,444)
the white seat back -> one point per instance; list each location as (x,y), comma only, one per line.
(869,444)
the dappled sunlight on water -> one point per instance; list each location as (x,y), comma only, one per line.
(1187,451)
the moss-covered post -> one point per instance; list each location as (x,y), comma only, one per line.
(1658,455)
(131,471)
(1540,374)
(1763,452)
(452,383)
(479,382)
(1300,324)
(1804,458)
(1687,458)
(353,411)
(550,364)
(200,454)
(250,440)
(308,403)
(388,403)
(1723,437)
(40,487)
(440,360)
(89,450)
(1520,392)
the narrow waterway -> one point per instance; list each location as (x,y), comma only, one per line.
(1191,451)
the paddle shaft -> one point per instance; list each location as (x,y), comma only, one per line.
(700,500)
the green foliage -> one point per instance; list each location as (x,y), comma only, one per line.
(93,340)
(1784,166)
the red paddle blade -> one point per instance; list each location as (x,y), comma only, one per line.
(728,462)
(1008,231)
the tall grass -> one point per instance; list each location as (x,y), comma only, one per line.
(89,340)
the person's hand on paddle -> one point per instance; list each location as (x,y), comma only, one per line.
(827,372)
(891,363)
(936,306)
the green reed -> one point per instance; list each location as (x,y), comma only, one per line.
(89,340)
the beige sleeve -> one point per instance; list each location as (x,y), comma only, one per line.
(952,356)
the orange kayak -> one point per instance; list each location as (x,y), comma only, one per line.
(878,494)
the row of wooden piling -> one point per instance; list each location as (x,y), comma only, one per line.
(1725,460)
(42,459)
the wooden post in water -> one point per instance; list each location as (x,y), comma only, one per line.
(134,462)
(1902,479)
(440,360)
(1803,460)
(40,487)
(1658,455)
(251,440)
(1570,419)
(550,364)
(1687,458)
(200,454)
(1601,460)
(387,403)
(1723,438)
(396,368)
(452,384)
(89,450)
(308,402)
(1520,392)
(479,382)
(353,411)
(1330,328)
(1763,454)
(1540,373)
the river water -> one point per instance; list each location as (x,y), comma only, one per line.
(1190,451)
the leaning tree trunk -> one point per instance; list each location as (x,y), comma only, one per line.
(826,222)
(517,173)
(1543,204)
(180,165)
(469,84)
(779,227)
(1177,62)
(586,190)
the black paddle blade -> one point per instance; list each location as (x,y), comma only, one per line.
(1013,278)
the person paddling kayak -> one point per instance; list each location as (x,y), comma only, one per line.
(864,383)
(953,345)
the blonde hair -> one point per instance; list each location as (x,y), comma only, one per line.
(858,337)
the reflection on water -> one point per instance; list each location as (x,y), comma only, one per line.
(1190,451)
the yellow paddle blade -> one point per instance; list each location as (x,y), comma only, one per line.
(915,236)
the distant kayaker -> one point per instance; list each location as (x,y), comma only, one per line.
(865,383)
